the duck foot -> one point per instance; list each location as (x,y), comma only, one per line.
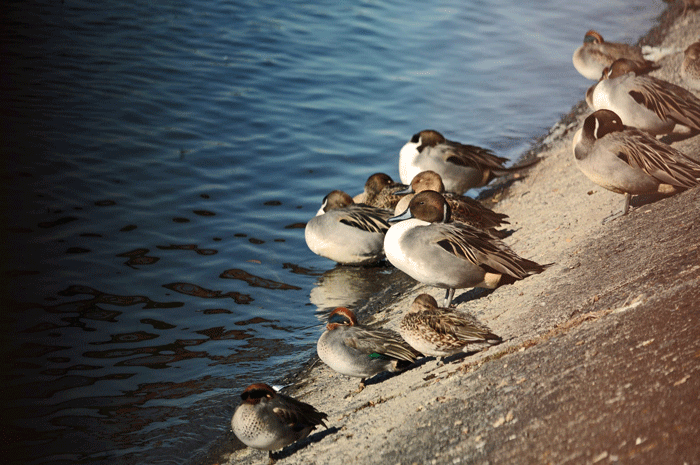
(449,295)
(625,210)
(358,390)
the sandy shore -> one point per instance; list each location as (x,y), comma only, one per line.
(601,361)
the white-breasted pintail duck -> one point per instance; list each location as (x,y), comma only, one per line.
(628,161)
(424,244)
(346,232)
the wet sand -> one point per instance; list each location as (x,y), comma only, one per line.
(601,359)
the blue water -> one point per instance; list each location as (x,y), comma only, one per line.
(159,158)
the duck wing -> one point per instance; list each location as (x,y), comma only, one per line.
(367,218)
(482,249)
(380,342)
(661,161)
(668,101)
(469,155)
(296,413)
(459,325)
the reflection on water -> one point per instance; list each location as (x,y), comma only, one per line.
(193,247)
(198,291)
(348,286)
(365,290)
(138,257)
(256,281)
(75,405)
(88,308)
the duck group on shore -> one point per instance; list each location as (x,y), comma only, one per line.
(426,227)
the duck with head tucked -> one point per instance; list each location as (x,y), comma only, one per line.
(628,161)
(460,166)
(441,332)
(463,209)
(346,232)
(361,352)
(269,420)
(427,246)
(644,102)
(380,191)
(596,54)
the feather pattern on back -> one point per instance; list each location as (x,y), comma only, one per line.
(367,218)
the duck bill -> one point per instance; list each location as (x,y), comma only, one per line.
(403,216)
(408,190)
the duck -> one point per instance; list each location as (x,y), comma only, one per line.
(645,102)
(690,68)
(595,55)
(380,191)
(269,420)
(464,209)
(427,246)
(346,232)
(629,161)
(441,332)
(357,351)
(461,166)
